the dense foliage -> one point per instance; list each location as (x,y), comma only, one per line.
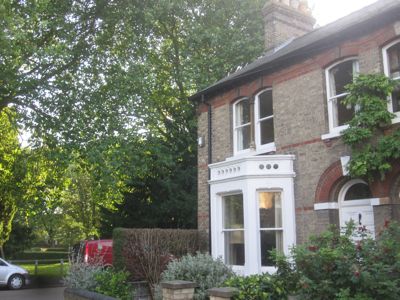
(374,146)
(114,283)
(102,87)
(11,172)
(202,269)
(346,265)
(258,287)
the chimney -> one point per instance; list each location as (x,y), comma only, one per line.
(285,20)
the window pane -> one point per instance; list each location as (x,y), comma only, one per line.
(265,103)
(358,191)
(234,248)
(344,113)
(233,211)
(394,61)
(242,109)
(243,137)
(270,210)
(340,76)
(267,131)
(396,99)
(270,240)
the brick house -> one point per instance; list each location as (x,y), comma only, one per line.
(271,162)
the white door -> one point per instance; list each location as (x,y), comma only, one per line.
(355,204)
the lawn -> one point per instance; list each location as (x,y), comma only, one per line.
(46,269)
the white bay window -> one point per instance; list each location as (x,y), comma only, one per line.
(252,211)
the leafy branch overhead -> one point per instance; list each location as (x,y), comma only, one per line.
(374,143)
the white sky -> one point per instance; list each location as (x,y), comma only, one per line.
(326,11)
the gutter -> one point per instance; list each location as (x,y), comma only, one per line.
(209,160)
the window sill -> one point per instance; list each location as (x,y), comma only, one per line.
(252,152)
(330,135)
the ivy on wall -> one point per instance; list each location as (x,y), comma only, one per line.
(374,143)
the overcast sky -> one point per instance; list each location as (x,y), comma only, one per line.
(326,11)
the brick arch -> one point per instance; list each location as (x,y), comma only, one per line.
(327,181)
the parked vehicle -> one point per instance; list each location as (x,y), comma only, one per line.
(95,251)
(13,276)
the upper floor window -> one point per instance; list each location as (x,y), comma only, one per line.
(338,76)
(264,119)
(261,119)
(391,60)
(241,121)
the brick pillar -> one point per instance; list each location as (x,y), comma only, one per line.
(222,293)
(178,290)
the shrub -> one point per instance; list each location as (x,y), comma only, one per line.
(202,269)
(82,275)
(257,287)
(113,283)
(145,253)
(345,265)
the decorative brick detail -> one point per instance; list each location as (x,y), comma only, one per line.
(327,181)
(222,293)
(178,290)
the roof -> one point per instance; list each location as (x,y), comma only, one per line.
(317,40)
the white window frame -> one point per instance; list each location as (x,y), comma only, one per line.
(343,204)
(386,69)
(335,130)
(269,269)
(224,230)
(235,129)
(262,148)
(248,181)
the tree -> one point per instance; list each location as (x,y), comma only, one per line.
(180,47)
(10,173)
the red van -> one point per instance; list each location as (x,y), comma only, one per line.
(97,251)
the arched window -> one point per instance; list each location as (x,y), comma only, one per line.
(337,77)
(241,125)
(264,118)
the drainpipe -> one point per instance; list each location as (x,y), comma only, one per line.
(209,155)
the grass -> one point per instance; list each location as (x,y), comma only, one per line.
(46,270)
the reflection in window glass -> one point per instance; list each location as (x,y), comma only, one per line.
(394,69)
(242,124)
(242,112)
(266,108)
(271,231)
(233,229)
(265,117)
(339,76)
(267,131)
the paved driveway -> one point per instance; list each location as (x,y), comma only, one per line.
(56,293)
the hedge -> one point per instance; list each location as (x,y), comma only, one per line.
(42,255)
(146,252)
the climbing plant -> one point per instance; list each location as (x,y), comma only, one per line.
(374,143)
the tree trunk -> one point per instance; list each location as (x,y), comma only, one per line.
(2,252)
